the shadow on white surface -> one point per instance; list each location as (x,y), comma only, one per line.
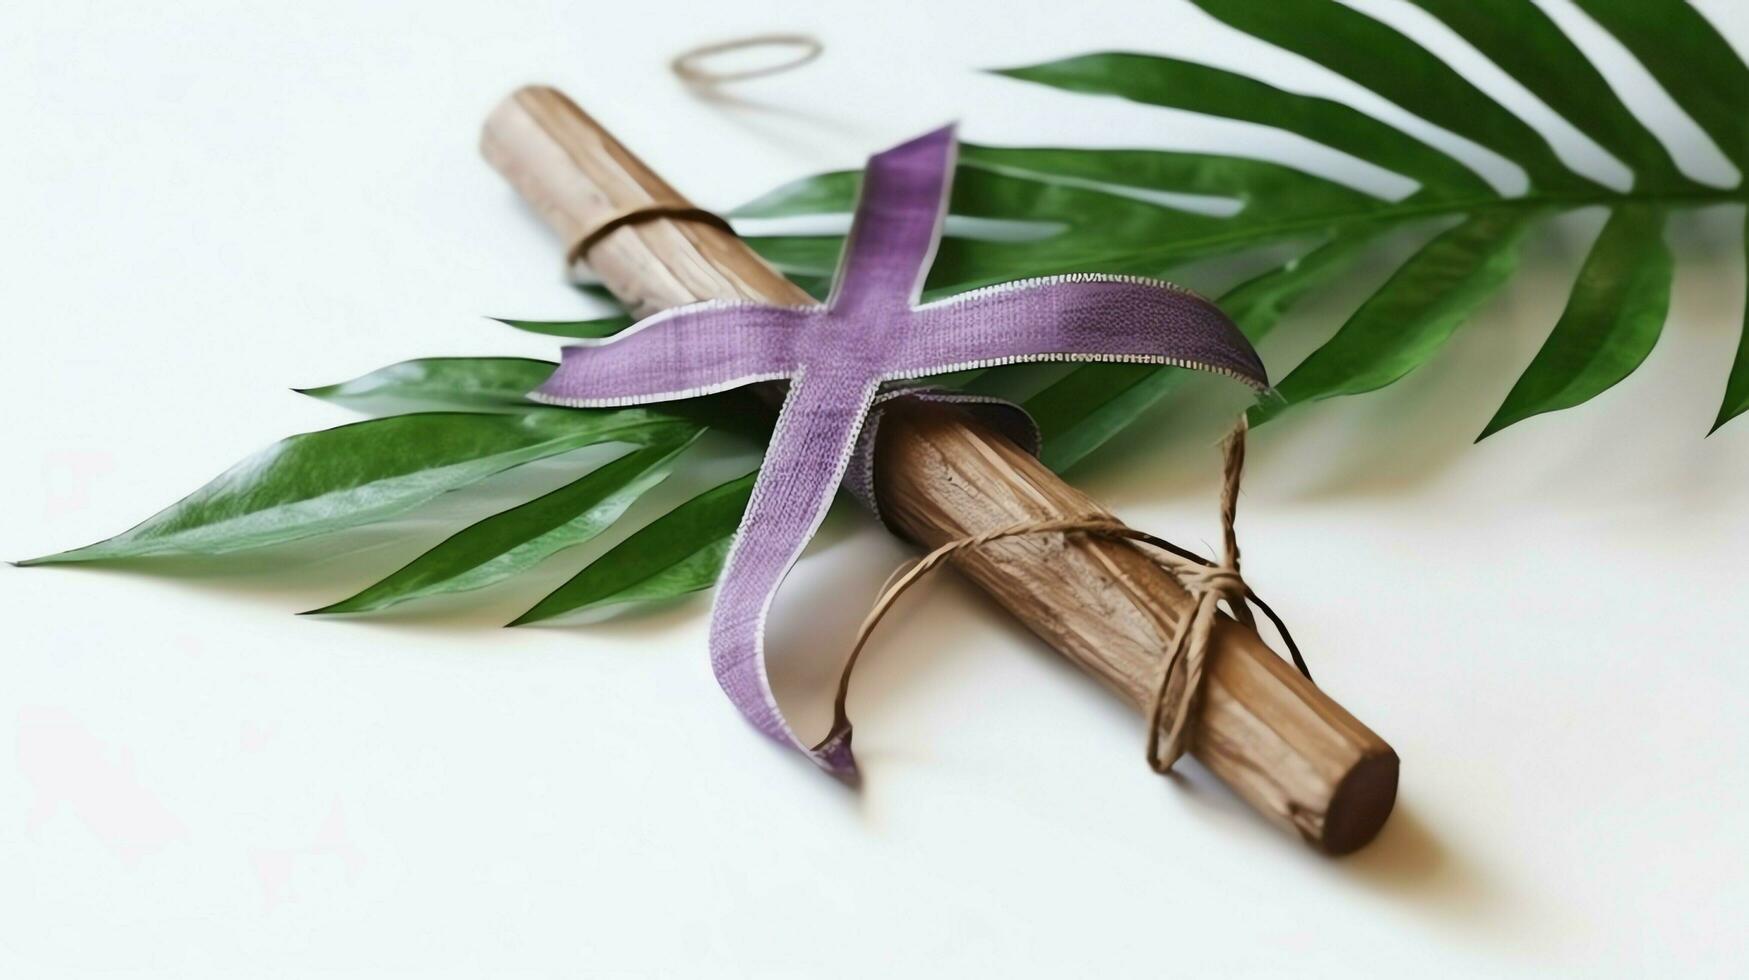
(1408,864)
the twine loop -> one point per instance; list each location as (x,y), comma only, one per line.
(673,210)
(688,65)
(1178,694)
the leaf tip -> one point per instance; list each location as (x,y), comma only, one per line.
(537,613)
(1510,415)
(1726,414)
(56,558)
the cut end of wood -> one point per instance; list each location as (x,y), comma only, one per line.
(523,100)
(1362,803)
(538,139)
(517,103)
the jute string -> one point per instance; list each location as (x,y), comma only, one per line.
(1178,692)
(690,64)
(674,210)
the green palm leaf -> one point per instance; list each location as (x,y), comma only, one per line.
(441,384)
(359,473)
(1090,404)
(1403,324)
(1114,210)
(1690,60)
(1104,210)
(680,552)
(520,538)
(1378,58)
(1737,386)
(1106,225)
(1528,45)
(1612,319)
(1174,84)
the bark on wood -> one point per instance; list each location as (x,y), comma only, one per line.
(1281,743)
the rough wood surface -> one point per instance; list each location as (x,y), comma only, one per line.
(1281,743)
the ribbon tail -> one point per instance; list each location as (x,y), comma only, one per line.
(1078,317)
(809,452)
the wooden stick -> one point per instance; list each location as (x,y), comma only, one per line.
(1279,742)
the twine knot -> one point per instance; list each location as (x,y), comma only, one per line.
(1222,579)
(1178,695)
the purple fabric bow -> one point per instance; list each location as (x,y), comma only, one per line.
(837,356)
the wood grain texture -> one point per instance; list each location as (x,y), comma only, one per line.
(1282,744)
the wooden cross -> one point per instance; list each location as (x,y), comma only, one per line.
(1281,743)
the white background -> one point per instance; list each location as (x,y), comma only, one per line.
(207,203)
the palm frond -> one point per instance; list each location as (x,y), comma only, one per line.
(1033,211)
(1618,301)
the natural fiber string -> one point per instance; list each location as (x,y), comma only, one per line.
(687,63)
(686,66)
(652,211)
(1178,693)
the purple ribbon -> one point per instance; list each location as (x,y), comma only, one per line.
(837,356)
